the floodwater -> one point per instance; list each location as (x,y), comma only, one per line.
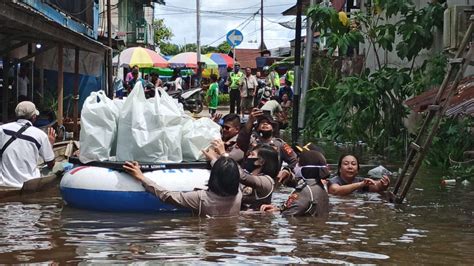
(434,226)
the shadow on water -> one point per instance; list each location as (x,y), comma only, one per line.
(435,225)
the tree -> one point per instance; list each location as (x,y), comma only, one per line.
(223,47)
(169,48)
(162,33)
(369,106)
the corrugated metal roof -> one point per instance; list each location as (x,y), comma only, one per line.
(461,102)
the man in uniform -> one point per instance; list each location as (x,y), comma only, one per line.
(309,197)
(273,80)
(21,146)
(234,92)
(230,131)
(265,129)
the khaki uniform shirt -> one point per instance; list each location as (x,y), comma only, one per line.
(245,141)
(308,199)
(201,202)
(248,85)
(233,150)
(257,190)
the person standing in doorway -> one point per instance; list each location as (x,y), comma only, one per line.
(234,93)
(23,83)
(248,87)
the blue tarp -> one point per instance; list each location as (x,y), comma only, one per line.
(87,84)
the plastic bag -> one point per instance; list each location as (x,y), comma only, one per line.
(378,172)
(99,118)
(148,130)
(197,135)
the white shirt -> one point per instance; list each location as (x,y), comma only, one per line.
(19,161)
(23,86)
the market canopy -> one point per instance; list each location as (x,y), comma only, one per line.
(141,57)
(222,60)
(189,60)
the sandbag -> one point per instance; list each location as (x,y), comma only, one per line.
(149,130)
(99,118)
(197,135)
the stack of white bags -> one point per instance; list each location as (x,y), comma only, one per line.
(154,130)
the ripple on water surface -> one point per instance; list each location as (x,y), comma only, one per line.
(436,225)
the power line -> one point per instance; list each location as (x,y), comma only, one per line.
(248,20)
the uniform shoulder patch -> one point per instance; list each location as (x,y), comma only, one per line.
(292,198)
(287,149)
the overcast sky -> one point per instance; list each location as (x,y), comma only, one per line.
(180,16)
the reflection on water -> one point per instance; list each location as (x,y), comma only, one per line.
(434,226)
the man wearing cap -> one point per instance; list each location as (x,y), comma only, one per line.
(21,146)
(265,128)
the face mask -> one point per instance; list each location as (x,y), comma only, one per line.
(298,170)
(266,134)
(249,164)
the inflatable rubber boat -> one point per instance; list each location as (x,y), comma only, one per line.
(108,189)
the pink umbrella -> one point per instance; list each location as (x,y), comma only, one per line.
(189,60)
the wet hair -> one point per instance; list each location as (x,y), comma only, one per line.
(225,177)
(233,118)
(213,77)
(313,157)
(339,164)
(271,165)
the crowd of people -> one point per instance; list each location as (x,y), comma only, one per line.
(249,163)
(263,91)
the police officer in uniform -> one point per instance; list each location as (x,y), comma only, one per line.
(309,197)
(223,197)
(265,130)
(234,88)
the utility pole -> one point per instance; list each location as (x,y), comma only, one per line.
(198,42)
(307,67)
(296,88)
(262,43)
(110,90)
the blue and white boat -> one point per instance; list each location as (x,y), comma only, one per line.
(105,189)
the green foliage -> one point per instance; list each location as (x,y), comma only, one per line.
(430,74)
(416,27)
(169,49)
(224,99)
(448,143)
(223,47)
(369,107)
(327,21)
(162,33)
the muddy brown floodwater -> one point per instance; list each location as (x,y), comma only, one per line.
(434,226)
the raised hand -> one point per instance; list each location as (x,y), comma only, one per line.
(218,146)
(210,153)
(268,208)
(51,135)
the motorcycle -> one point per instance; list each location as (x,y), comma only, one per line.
(192,99)
(264,94)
